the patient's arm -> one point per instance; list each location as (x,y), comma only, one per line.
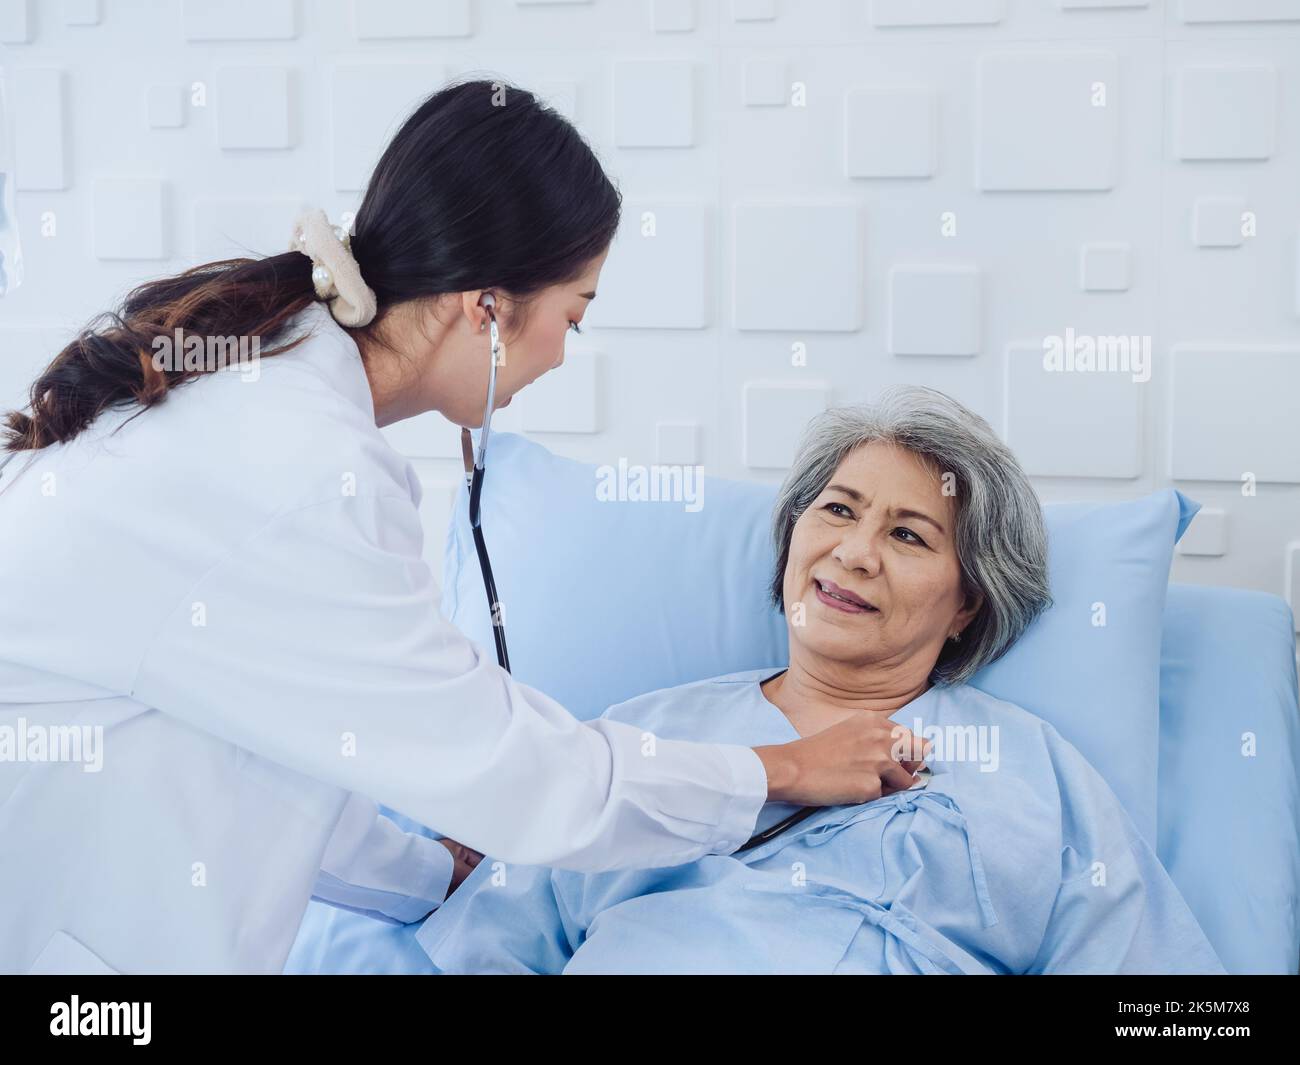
(464,860)
(1117,910)
(504,919)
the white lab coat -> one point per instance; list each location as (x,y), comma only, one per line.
(231,585)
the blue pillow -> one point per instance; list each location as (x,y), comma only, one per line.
(1230,813)
(603,600)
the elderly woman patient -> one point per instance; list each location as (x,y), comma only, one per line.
(910,551)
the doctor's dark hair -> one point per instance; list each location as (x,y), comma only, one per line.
(482,187)
(1000,537)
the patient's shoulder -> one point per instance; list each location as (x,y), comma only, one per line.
(714,709)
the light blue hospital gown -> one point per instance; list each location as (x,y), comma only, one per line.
(1028,866)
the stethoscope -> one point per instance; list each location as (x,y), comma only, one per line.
(474,472)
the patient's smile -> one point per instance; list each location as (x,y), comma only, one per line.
(838,598)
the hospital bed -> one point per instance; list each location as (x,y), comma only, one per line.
(1199,690)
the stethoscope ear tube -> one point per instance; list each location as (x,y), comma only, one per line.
(489,583)
(475,471)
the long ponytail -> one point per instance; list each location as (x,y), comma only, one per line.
(112,361)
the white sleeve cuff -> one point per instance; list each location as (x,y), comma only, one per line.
(749,794)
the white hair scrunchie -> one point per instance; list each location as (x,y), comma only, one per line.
(335,273)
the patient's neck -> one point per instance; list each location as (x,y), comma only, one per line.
(816,695)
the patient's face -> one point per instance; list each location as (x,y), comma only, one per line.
(880,532)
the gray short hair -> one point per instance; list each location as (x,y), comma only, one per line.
(1000,537)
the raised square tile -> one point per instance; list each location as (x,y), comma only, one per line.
(677,443)
(81,12)
(1240,10)
(377,20)
(1047,120)
(253,107)
(654,103)
(774,417)
(239,20)
(1216,221)
(673,16)
(1104,267)
(766,83)
(1234,413)
(369,103)
(127,220)
(797,266)
(234,228)
(16,23)
(565,400)
(890,132)
(934,310)
(1207,535)
(1072,423)
(936,12)
(661,249)
(1225,112)
(165,106)
(40,133)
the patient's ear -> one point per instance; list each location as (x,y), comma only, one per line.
(970,607)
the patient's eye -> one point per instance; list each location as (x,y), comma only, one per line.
(914,539)
(847,513)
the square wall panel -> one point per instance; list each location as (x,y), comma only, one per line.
(427,436)
(565,400)
(165,106)
(236,228)
(936,12)
(775,416)
(765,83)
(1225,112)
(654,103)
(369,104)
(127,219)
(81,12)
(40,135)
(677,443)
(890,133)
(1104,267)
(1233,412)
(1047,120)
(253,107)
(1207,535)
(399,20)
(797,266)
(672,16)
(239,20)
(934,310)
(25,351)
(1239,10)
(656,275)
(1072,423)
(16,23)
(1216,221)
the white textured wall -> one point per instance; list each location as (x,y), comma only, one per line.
(1093,160)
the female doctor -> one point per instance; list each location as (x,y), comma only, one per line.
(219,646)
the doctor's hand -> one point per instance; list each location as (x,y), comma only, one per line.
(465,860)
(852,762)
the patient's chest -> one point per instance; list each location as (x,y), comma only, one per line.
(958,877)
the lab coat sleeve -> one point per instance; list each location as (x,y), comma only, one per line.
(372,866)
(317,643)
